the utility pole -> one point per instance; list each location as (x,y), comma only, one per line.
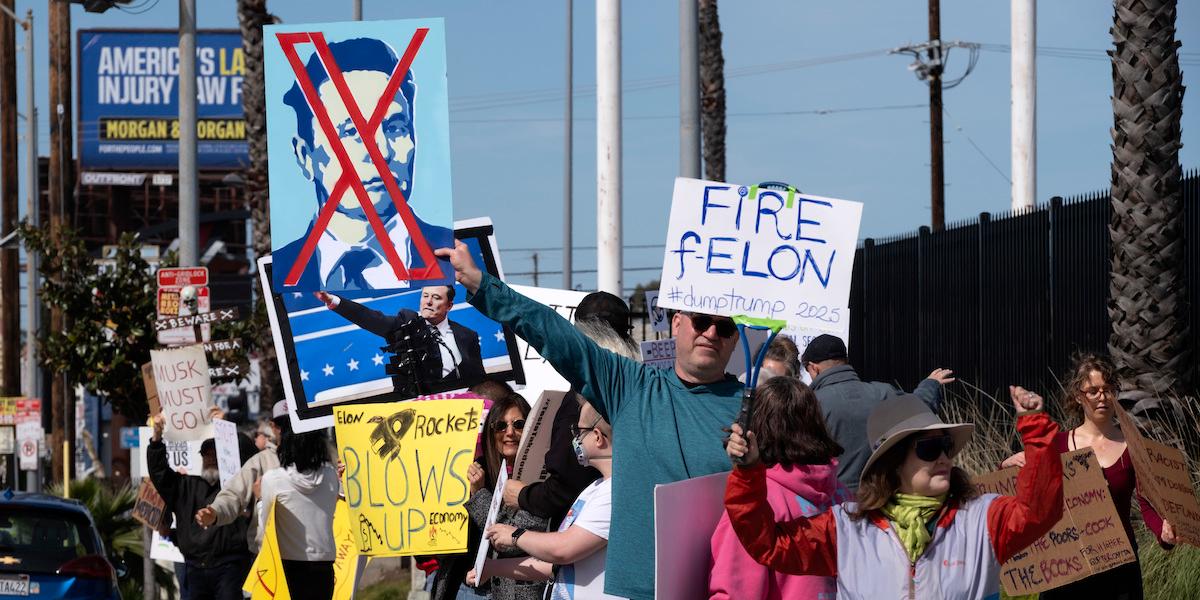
(1024,104)
(689,90)
(189,209)
(10,303)
(62,187)
(357,10)
(936,165)
(33,302)
(608,146)
(535,270)
(929,65)
(568,151)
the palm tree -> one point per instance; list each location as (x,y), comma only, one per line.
(252,15)
(1147,297)
(712,90)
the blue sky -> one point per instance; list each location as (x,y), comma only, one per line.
(506,71)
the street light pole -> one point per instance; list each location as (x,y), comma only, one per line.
(189,208)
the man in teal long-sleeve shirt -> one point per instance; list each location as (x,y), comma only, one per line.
(669,422)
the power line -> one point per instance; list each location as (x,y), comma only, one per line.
(517,98)
(1092,54)
(818,111)
(964,133)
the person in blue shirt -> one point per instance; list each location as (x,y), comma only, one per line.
(668,421)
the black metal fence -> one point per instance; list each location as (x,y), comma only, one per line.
(1003,299)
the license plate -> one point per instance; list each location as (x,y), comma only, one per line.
(14,585)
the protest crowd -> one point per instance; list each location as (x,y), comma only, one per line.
(517,443)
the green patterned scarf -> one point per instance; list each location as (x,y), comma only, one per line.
(910,516)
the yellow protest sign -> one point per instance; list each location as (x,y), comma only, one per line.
(406,474)
(265,580)
(345,561)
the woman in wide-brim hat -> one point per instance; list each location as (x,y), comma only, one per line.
(919,529)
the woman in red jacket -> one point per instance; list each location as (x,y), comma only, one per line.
(800,457)
(918,529)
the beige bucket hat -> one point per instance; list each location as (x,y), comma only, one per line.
(895,419)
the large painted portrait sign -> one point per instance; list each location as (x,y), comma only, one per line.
(359,147)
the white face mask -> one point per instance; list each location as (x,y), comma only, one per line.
(580,451)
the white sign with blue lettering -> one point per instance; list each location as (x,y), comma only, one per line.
(744,250)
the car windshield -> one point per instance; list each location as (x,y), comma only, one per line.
(40,540)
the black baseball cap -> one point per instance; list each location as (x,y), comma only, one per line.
(822,348)
(605,307)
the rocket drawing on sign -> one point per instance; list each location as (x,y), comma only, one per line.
(385,439)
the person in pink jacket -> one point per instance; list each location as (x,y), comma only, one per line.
(801,482)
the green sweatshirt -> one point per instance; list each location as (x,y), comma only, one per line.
(663,430)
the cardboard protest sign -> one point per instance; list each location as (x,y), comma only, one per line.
(228,461)
(345,561)
(1087,540)
(406,474)
(151,388)
(1164,479)
(265,581)
(381,187)
(485,545)
(742,250)
(184,391)
(530,464)
(539,374)
(686,514)
(149,507)
(325,359)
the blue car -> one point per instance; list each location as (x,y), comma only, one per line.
(49,548)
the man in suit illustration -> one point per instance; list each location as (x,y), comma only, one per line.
(452,352)
(349,255)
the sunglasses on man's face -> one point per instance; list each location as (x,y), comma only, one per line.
(726,328)
(502,426)
(931,448)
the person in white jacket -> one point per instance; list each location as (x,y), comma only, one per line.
(238,494)
(305,491)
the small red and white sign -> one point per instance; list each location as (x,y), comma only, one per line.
(29,435)
(181,277)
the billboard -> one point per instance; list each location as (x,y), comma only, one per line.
(129,99)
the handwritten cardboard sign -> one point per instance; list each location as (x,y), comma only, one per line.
(184,391)
(530,464)
(741,250)
(149,507)
(226,436)
(1087,540)
(406,474)
(1164,479)
(493,513)
(151,388)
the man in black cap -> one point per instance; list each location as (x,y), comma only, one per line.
(846,400)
